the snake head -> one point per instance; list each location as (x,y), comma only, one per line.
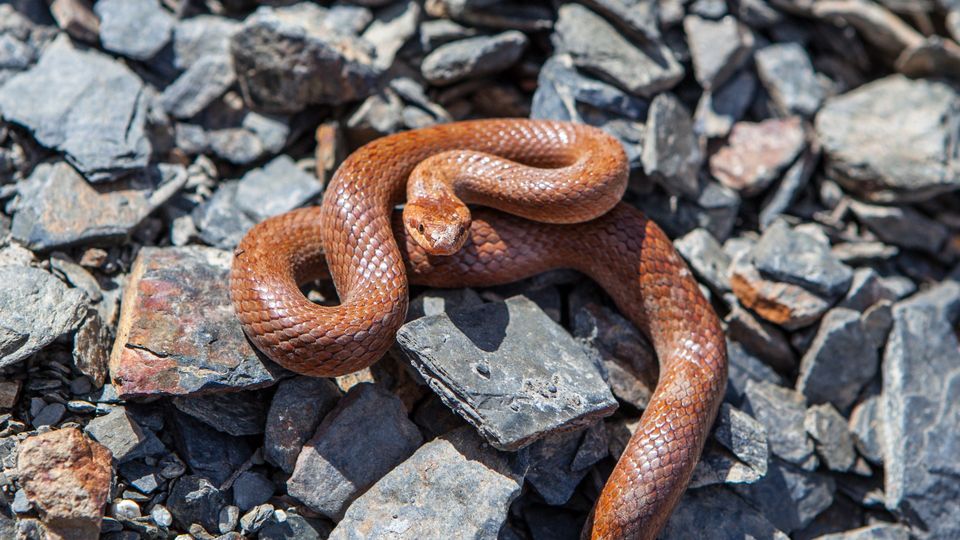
(438,226)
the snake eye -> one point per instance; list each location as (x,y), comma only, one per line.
(420,228)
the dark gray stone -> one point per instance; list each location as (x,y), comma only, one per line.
(203,82)
(785,304)
(200,36)
(840,361)
(792,256)
(298,406)
(120,433)
(762,339)
(671,153)
(866,425)
(220,221)
(714,210)
(57,97)
(920,411)
(791,185)
(717,514)
(902,226)
(893,140)
(140,476)
(744,367)
(137,29)
(50,415)
(706,257)
(866,289)
(781,411)
(57,208)
(390,30)
(294,527)
(285,61)
(560,88)
(256,518)
(473,57)
(741,455)
(788,496)
(277,187)
(234,413)
(241,137)
(718,48)
(476,482)
(513,350)
(643,68)
(251,489)
(787,74)
(554,471)
(193,499)
(877,531)
(718,110)
(38,309)
(638,20)
(212,454)
(339,462)
(437,301)
(831,437)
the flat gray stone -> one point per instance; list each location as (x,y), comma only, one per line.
(235,413)
(251,489)
(744,367)
(718,48)
(203,82)
(38,309)
(840,361)
(781,411)
(671,152)
(744,454)
(866,289)
(220,220)
(57,98)
(542,378)
(877,531)
(763,339)
(832,439)
(718,110)
(597,47)
(560,88)
(120,433)
(200,36)
(277,187)
(57,208)
(473,57)
(785,304)
(793,182)
(195,500)
(365,436)
(717,514)
(554,469)
(298,406)
(867,429)
(788,496)
(389,30)
(756,153)
(787,73)
(894,139)
(902,226)
(475,482)
(920,410)
(137,29)
(706,257)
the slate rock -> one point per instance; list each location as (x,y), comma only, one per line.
(436,32)
(200,36)
(744,367)
(38,309)
(277,187)
(67,477)
(234,413)
(781,411)
(473,57)
(840,361)
(715,210)
(140,476)
(792,256)
(552,472)
(137,29)
(57,98)
(785,304)
(717,514)
(50,415)
(285,62)
(390,30)
(719,109)
(339,462)
(562,91)
(220,220)
(902,226)
(120,433)
(920,411)
(671,153)
(877,531)
(294,527)
(514,350)
(792,184)
(476,482)
(788,496)
(251,489)
(706,257)
(194,499)
(763,339)
(437,301)
(178,333)
(756,153)
(718,48)
(643,68)
(57,208)
(744,436)
(890,140)
(866,425)
(866,289)
(832,439)
(209,453)
(787,73)
(298,406)
(203,82)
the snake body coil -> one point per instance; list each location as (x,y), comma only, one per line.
(550,171)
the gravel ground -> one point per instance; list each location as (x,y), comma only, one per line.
(803,156)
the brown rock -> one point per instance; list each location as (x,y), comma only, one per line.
(67,477)
(756,153)
(91,348)
(9,390)
(788,305)
(178,333)
(77,18)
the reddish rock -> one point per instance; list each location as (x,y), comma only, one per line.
(788,305)
(178,333)
(756,153)
(67,477)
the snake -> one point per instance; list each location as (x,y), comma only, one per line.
(490,202)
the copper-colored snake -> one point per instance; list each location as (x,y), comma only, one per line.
(549,171)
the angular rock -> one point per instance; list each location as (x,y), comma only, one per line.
(718,110)
(473,57)
(785,304)
(9,392)
(57,208)
(645,68)
(277,187)
(718,48)
(285,61)
(893,140)
(902,226)
(877,531)
(294,527)
(920,410)
(831,437)
(789,496)
(715,210)
(203,82)
(209,453)
(339,462)
(144,478)
(839,362)
(781,411)
(178,333)
(137,29)
(671,153)
(76,18)
(717,514)
(791,185)
(68,478)
(552,471)
(50,415)
(193,499)
(391,29)
(220,220)
(200,36)
(866,289)
(744,367)
(706,257)
(867,429)
(437,301)
(791,256)
(476,482)
(298,406)
(513,350)
(38,309)
(234,413)
(56,99)
(760,338)
(756,153)
(560,88)
(741,455)
(251,489)
(787,74)
(119,433)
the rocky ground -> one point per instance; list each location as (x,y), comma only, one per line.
(802,154)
